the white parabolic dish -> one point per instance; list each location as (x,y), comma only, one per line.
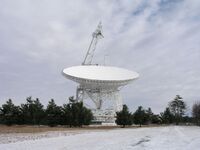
(93,76)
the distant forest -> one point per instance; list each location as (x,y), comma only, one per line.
(75,114)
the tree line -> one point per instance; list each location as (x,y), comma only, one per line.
(173,114)
(75,114)
(32,112)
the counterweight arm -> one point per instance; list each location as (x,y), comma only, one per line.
(90,52)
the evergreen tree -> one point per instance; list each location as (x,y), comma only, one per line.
(39,112)
(177,107)
(140,117)
(124,117)
(10,113)
(196,113)
(33,112)
(88,116)
(53,114)
(76,114)
(167,116)
(67,115)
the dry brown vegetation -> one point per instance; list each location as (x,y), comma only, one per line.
(37,129)
(28,129)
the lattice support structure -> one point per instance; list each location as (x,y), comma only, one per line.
(98,97)
(97,34)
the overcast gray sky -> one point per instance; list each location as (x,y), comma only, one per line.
(160,39)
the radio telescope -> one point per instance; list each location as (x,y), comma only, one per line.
(99,83)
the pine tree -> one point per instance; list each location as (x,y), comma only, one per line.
(33,112)
(67,115)
(10,113)
(123,117)
(140,117)
(167,116)
(177,107)
(53,114)
(76,114)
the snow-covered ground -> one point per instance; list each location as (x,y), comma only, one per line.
(154,138)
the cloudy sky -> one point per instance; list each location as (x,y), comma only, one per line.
(160,39)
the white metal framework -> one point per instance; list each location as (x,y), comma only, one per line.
(97,34)
(99,96)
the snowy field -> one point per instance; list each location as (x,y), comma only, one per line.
(154,138)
